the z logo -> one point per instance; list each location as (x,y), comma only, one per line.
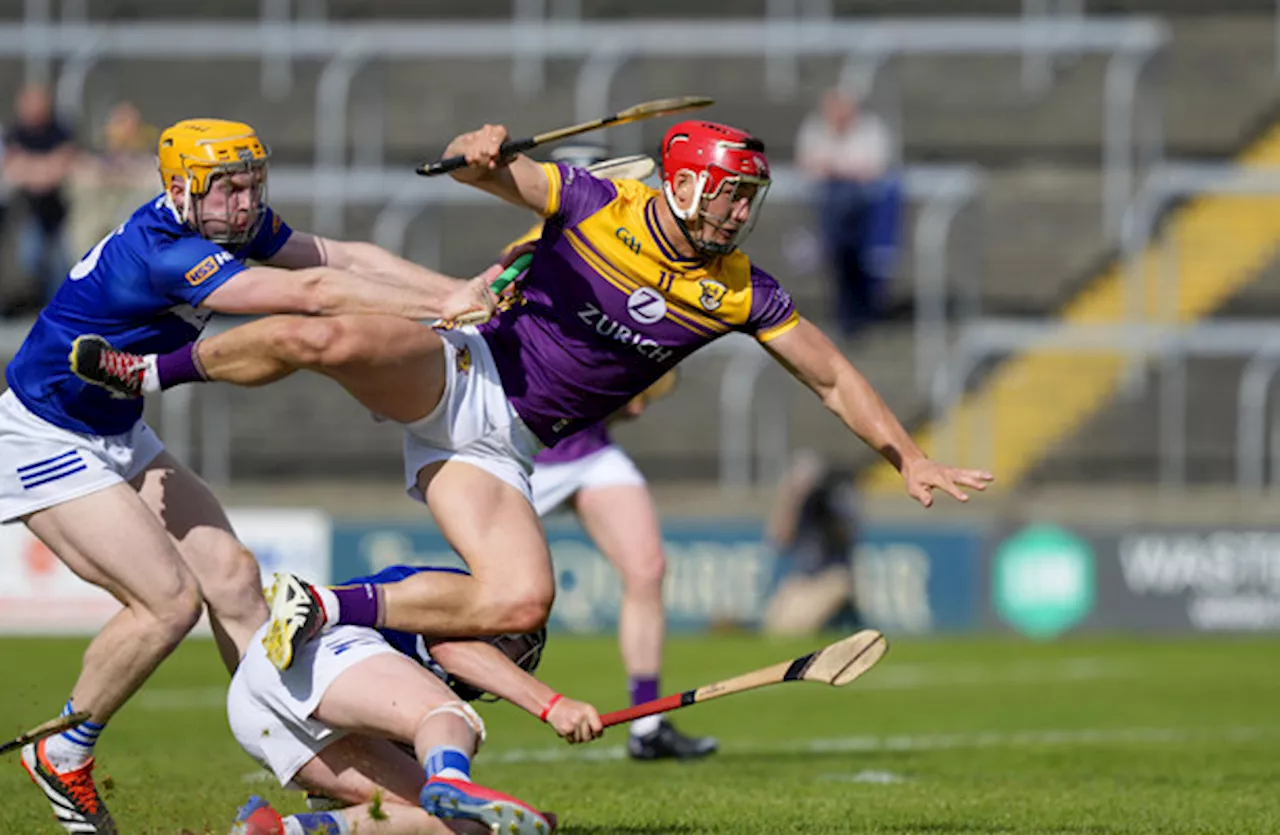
(713,293)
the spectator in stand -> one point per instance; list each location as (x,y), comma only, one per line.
(107,186)
(39,155)
(851,153)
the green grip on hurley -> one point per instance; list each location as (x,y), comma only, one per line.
(511,273)
(502,282)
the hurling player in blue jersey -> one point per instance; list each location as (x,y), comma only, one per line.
(89,478)
(375,726)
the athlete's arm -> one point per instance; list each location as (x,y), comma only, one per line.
(371,261)
(811,358)
(519,180)
(322,291)
(488,668)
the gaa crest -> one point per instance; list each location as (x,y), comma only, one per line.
(713,293)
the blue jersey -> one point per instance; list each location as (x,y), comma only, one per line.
(141,289)
(409,643)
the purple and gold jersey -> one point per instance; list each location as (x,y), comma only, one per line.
(609,306)
(577,446)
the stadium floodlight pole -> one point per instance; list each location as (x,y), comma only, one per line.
(838,664)
(647,110)
(39,732)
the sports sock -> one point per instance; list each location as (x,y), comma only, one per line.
(73,747)
(172,369)
(359,605)
(448,762)
(317,823)
(644,689)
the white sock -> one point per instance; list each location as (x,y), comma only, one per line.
(330,602)
(646,725)
(72,748)
(150,375)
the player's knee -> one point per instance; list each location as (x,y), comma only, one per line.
(317,342)
(525,610)
(178,612)
(644,573)
(237,583)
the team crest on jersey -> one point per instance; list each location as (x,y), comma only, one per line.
(462,360)
(201,272)
(713,293)
(275,223)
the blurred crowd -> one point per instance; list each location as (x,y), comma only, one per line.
(61,192)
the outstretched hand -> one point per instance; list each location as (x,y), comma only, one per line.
(923,476)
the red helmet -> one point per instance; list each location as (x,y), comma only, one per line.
(717,155)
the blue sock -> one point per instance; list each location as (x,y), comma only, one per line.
(317,823)
(448,762)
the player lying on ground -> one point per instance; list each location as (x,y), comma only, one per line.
(625,282)
(607,492)
(90,479)
(328,725)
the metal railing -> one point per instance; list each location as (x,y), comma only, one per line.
(1170,346)
(1132,122)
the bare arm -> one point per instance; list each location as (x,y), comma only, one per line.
(366,260)
(520,180)
(811,358)
(483,665)
(321,291)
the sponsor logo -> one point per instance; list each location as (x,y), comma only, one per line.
(625,235)
(599,321)
(1044,581)
(646,306)
(207,268)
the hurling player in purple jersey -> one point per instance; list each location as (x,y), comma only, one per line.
(84,472)
(625,282)
(606,490)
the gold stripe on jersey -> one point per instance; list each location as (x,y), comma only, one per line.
(603,256)
(554,186)
(767,334)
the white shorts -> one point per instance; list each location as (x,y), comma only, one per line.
(554,484)
(270,711)
(474,422)
(45,465)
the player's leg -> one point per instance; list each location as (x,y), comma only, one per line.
(509,589)
(374,781)
(110,539)
(410,704)
(621,519)
(391,365)
(228,574)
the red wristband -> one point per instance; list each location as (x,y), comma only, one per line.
(543,716)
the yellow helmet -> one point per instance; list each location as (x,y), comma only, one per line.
(197,150)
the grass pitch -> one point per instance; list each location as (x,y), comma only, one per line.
(1098,736)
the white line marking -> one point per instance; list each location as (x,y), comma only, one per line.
(924,742)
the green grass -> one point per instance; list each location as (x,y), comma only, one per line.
(1099,736)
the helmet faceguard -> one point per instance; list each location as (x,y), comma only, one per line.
(204,153)
(729,167)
